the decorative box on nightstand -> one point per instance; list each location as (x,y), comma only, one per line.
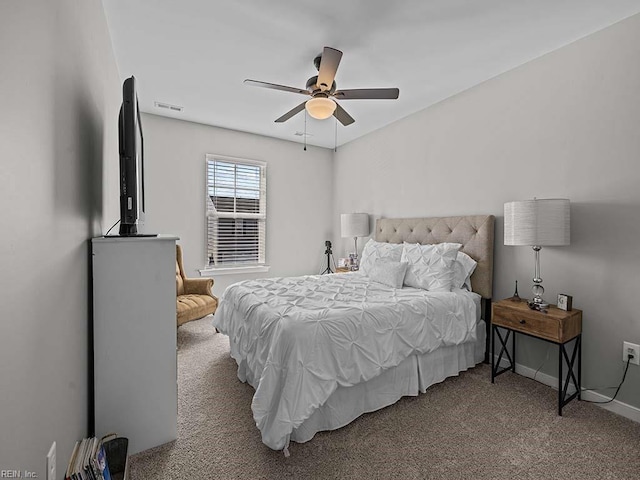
(555,326)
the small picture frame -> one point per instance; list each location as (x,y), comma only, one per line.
(343,262)
(564,302)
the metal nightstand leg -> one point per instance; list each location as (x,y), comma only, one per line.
(495,366)
(493,353)
(513,350)
(579,367)
(563,356)
(560,378)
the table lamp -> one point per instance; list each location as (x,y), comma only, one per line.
(354,225)
(537,223)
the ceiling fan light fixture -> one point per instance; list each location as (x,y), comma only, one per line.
(320,108)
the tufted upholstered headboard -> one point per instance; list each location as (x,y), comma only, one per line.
(474,232)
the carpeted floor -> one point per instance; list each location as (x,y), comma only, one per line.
(464,427)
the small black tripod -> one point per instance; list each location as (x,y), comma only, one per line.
(328,253)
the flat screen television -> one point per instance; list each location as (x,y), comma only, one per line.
(132,198)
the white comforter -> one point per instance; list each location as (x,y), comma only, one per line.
(297,339)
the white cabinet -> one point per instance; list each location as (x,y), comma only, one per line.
(134,331)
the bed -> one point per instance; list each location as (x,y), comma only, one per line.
(322,350)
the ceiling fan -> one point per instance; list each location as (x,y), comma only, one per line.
(322,90)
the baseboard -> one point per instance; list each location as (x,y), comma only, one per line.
(616,406)
(621,408)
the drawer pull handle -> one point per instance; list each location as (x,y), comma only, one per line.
(522,322)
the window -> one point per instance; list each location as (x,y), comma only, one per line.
(236,212)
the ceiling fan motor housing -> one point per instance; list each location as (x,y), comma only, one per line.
(313,87)
(316,61)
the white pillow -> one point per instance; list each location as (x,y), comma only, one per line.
(463,268)
(374,250)
(388,272)
(430,266)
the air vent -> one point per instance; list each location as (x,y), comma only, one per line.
(303,134)
(173,108)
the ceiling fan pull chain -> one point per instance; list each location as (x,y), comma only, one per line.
(305,131)
(335,144)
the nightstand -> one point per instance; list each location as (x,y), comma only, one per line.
(555,326)
(342,270)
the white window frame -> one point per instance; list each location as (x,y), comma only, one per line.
(260,265)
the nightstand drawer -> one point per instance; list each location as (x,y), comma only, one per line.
(540,327)
(556,325)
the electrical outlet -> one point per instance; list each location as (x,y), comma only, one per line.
(51,462)
(633,349)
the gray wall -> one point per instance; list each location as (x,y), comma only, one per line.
(299,187)
(564,125)
(58,137)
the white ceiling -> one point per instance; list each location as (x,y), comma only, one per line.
(196,53)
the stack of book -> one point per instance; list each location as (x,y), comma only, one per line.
(88,461)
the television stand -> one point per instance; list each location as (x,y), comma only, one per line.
(134,339)
(138,235)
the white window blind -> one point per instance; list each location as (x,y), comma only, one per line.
(236,211)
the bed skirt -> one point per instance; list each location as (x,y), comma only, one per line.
(414,375)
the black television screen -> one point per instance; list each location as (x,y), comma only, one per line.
(132,198)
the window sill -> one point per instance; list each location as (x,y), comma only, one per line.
(213,272)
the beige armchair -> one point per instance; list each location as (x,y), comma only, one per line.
(194,297)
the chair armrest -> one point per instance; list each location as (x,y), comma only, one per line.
(198,286)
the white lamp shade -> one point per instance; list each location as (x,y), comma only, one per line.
(354,224)
(542,222)
(320,107)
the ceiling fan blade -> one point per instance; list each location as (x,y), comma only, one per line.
(274,86)
(291,113)
(343,117)
(368,93)
(328,68)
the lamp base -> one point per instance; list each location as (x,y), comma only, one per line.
(538,289)
(540,304)
(355,266)
(353,262)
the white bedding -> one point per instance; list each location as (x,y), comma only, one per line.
(296,340)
